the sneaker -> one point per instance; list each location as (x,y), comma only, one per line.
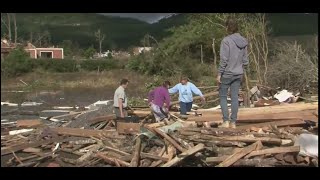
(233,125)
(225,124)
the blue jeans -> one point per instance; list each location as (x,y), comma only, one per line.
(234,84)
(185,107)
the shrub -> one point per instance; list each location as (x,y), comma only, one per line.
(16,63)
(292,68)
(102,65)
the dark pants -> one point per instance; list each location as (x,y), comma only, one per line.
(185,107)
(234,84)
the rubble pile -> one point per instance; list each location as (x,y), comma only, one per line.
(278,131)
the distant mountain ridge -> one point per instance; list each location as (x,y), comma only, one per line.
(122,33)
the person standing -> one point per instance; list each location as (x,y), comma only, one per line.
(233,59)
(120,102)
(159,102)
(186,90)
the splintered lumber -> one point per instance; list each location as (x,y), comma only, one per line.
(293,122)
(257,117)
(87,132)
(29,123)
(10,149)
(197,97)
(238,155)
(101,119)
(276,150)
(112,160)
(117,151)
(136,156)
(89,154)
(183,155)
(172,141)
(245,139)
(151,156)
(141,113)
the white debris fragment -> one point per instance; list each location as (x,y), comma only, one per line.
(283,95)
(8,104)
(14,132)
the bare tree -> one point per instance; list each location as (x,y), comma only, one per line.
(9,26)
(15,28)
(100,37)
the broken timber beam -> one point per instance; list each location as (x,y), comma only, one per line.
(245,139)
(256,116)
(112,160)
(87,132)
(136,156)
(276,150)
(8,150)
(183,155)
(238,155)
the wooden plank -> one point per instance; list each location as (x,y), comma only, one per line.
(112,160)
(29,123)
(87,132)
(238,155)
(275,141)
(282,108)
(136,156)
(282,123)
(89,153)
(10,149)
(276,150)
(183,155)
(172,141)
(256,116)
(32,150)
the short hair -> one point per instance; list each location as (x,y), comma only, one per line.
(184,78)
(124,81)
(166,83)
(232,26)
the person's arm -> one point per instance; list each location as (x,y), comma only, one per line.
(195,90)
(167,98)
(120,100)
(150,96)
(224,56)
(245,59)
(174,89)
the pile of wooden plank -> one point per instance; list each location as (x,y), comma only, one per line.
(265,136)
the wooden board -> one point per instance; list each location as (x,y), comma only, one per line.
(258,116)
(29,123)
(183,155)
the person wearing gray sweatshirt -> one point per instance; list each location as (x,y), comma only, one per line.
(233,59)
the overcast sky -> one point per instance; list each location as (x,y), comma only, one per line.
(148,17)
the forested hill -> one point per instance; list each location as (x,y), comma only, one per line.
(122,33)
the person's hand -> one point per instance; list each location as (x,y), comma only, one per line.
(218,79)
(122,115)
(203,99)
(165,105)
